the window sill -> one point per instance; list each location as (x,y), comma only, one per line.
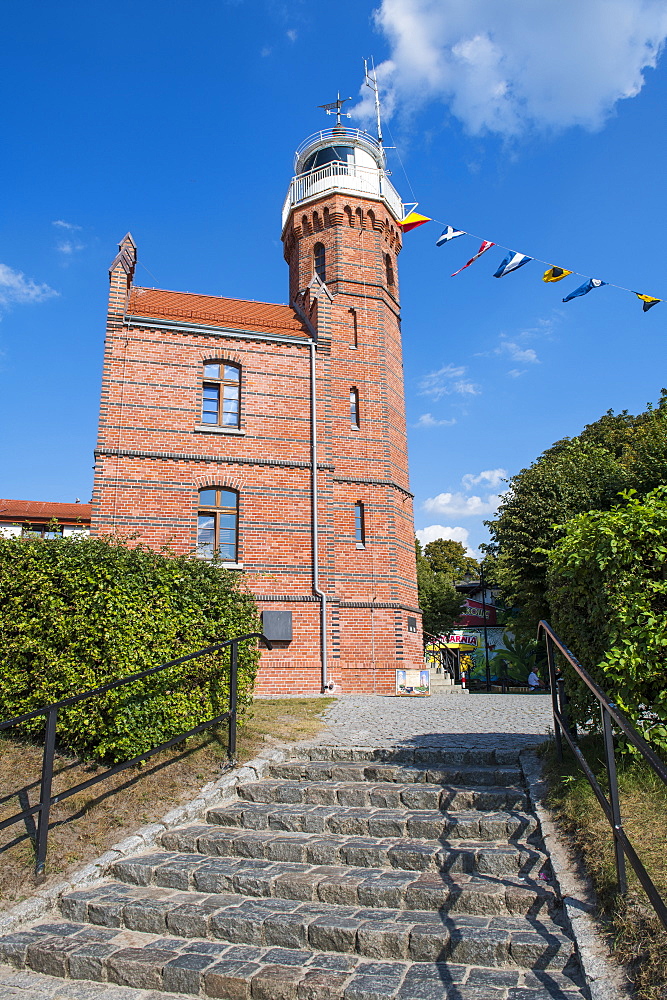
(214,429)
(231,565)
(360,545)
(355,427)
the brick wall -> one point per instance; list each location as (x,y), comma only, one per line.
(153,454)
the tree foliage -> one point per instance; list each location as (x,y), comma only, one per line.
(440,603)
(574,476)
(76,613)
(446,556)
(607,590)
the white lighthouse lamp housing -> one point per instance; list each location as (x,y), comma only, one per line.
(341,159)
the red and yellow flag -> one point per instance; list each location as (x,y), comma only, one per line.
(412,220)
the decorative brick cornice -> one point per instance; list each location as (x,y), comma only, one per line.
(374,482)
(185,457)
(390,605)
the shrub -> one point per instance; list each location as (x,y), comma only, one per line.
(607,589)
(77,613)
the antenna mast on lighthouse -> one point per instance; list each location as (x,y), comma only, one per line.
(372,84)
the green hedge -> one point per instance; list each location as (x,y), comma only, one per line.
(76,613)
(607,590)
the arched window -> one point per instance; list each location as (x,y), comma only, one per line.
(217,524)
(319,260)
(354,407)
(359,525)
(221,396)
(389,268)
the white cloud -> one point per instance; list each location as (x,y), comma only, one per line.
(447,381)
(428,420)
(292,34)
(69,247)
(16,289)
(266,51)
(64,225)
(433,531)
(490,477)
(460,505)
(511,67)
(515,372)
(526,355)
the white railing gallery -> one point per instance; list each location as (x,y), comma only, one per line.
(343,177)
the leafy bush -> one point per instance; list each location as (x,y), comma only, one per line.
(607,589)
(77,613)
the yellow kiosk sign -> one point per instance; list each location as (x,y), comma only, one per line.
(462,640)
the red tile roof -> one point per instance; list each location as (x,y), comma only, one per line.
(38,510)
(264,317)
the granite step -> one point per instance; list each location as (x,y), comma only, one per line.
(428,824)
(207,968)
(468,856)
(375,887)
(414,935)
(409,755)
(385,795)
(491,775)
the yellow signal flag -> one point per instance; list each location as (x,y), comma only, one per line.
(555,274)
(412,220)
(648,301)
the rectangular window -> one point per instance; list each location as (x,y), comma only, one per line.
(211,404)
(354,407)
(359,526)
(217,526)
(221,398)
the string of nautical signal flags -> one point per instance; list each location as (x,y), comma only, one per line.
(513,261)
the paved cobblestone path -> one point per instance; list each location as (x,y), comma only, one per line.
(395,858)
(446,720)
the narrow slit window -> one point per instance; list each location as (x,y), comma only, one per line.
(355,328)
(221,395)
(320,261)
(359,526)
(354,407)
(217,524)
(390,270)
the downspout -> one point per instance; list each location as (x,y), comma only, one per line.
(326,686)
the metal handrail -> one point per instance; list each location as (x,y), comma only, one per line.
(610,806)
(344,176)
(449,661)
(46,799)
(339,135)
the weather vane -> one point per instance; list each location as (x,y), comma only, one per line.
(335,108)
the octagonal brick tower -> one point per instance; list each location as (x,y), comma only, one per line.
(341,241)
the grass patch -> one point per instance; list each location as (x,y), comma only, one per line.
(85,825)
(637,938)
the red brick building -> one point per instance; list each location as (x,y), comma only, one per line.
(46,520)
(274,435)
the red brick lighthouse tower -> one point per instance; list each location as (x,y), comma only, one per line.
(272,438)
(342,242)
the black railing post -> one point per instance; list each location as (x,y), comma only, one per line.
(562,702)
(553,684)
(610,761)
(45,790)
(233,694)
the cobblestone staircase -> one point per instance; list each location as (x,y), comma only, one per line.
(347,875)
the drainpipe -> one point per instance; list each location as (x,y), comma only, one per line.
(326,686)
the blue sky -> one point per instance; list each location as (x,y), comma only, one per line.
(536,126)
